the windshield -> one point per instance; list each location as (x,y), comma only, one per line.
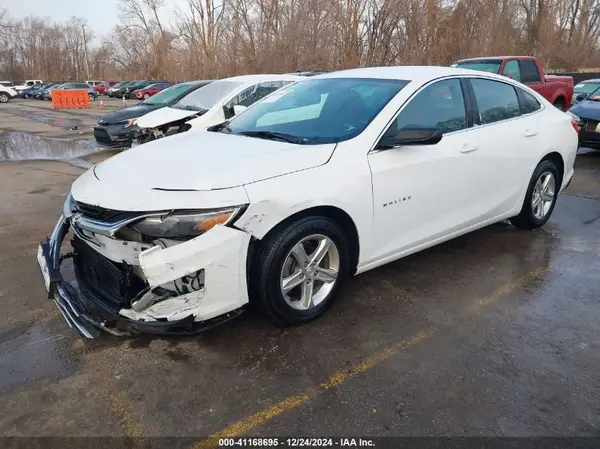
(317,111)
(488,65)
(207,96)
(169,94)
(586,88)
(594,95)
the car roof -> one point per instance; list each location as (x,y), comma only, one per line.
(486,58)
(408,73)
(263,77)
(592,80)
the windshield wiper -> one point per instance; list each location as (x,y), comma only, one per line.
(272,135)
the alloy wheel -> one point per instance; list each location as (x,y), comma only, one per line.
(310,272)
(543,195)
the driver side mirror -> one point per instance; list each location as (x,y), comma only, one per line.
(238,109)
(580,97)
(411,136)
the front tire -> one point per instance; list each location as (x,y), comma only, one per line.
(4,97)
(299,270)
(146,96)
(540,198)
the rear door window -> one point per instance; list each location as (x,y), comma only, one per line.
(496,100)
(529,103)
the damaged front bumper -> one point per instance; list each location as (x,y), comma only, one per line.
(220,254)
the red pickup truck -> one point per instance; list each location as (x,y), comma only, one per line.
(558,90)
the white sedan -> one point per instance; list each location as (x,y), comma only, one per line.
(211,104)
(321,180)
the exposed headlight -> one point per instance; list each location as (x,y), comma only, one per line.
(68,206)
(131,122)
(186,223)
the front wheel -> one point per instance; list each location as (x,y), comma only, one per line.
(300,269)
(91,97)
(146,96)
(4,97)
(540,198)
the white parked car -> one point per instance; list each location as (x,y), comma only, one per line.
(7,93)
(214,103)
(27,83)
(326,178)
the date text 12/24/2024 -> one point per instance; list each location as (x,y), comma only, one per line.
(296,442)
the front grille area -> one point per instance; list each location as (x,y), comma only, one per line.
(113,284)
(102,214)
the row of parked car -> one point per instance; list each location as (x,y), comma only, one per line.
(43,91)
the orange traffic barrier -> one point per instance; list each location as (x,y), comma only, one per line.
(70,99)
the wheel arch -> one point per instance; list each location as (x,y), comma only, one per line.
(560,98)
(338,215)
(556,158)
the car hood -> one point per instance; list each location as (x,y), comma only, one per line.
(587,109)
(128,113)
(164,116)
(204,160)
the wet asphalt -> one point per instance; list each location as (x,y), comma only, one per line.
(495,334)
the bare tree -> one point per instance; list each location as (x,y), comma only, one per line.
(218,38)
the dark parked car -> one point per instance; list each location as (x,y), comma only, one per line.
(112,90)
(126,91)
(33,91)
(45,94)
(118,128)
(587,115)
(584,88)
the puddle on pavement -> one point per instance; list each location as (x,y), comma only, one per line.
(17,146)
(32,355)
(65,123)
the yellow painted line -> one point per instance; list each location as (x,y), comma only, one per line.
(334,380)
(507,288)
(120,406)
(247,424)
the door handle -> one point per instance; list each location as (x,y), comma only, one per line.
(530,132)
(469,147)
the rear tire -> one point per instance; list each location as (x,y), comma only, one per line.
(146,96)
(539,200)
(288,280)
(4,97)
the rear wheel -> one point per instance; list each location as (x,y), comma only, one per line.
(4,97)
(146,96)
(299,270)
(540,198)
(91,97)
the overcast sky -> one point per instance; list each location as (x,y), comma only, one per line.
(101,15)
